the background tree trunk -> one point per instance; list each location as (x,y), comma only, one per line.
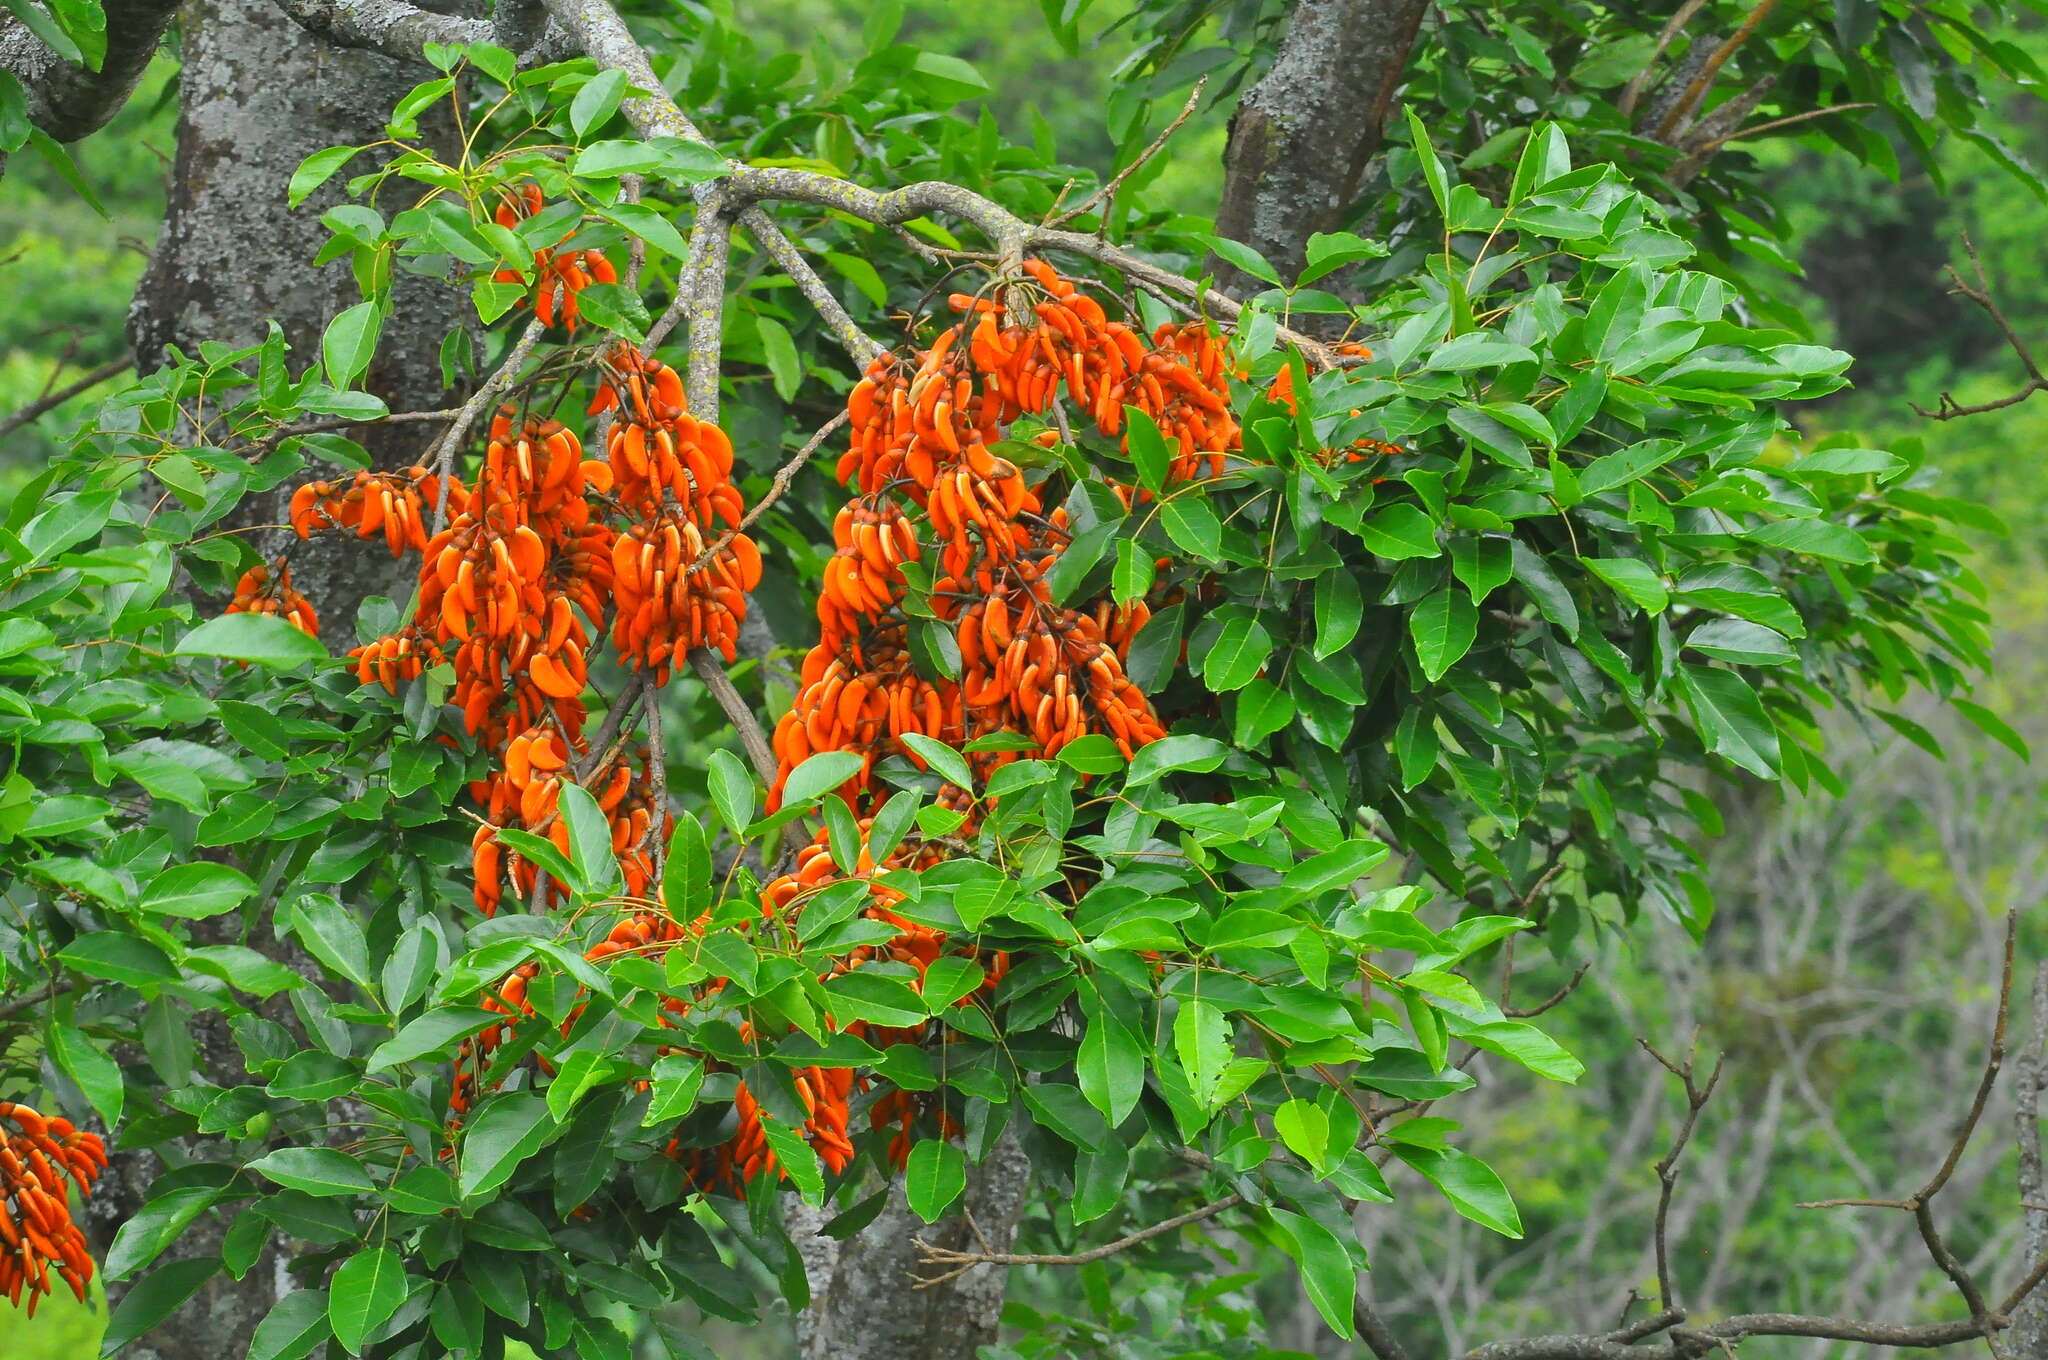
(863,1304)
(1303,136)
(258,94)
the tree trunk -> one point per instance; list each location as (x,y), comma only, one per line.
(1303,136)
(863,1303)
(258,94)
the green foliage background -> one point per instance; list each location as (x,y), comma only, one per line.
(1874,254)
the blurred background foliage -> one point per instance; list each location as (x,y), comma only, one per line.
(1848,975)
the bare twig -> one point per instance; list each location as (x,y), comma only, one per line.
(1696,1097)
(1106,195)
(784,475)
(1948,408)
(1633,91)
(48,992)
(447,447)
(946,1256)
(51,401)
(1555,999)
(2030,1326)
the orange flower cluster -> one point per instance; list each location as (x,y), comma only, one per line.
(258,591)
(1282,391)
(674,588)
(36,1228)
(922,433)
(558,275)
(393,503)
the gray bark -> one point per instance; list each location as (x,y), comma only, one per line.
(258,94)
(1303,136)
(2029,1340)
(863,1304)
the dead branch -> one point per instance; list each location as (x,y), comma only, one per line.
(1948,408)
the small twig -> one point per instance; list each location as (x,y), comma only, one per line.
(444,452)
(1759,129)
(946,1256)
(784,475)
(1374,1332)
(49,991)
(1948,408)
(1696,1097)
(1633,91)
(1107,193)
(53,400)
(1555,999)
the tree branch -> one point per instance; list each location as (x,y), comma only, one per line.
(943,1256)
(53,400)
(67,101)
(1948,408)
(399,29)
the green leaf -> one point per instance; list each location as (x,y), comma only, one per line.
(294,1326)
(1201,1040)
(1110,1064)
(1399,532)
(1439,189)
(155,1298)
(315,171)
(1443,627)
(197,890)
(947,762)
(1742,642)
(590,839)
(1993,726)
(363,1295)
(1632,579)
(431,1034)
(1340,608)
(676,1080)
(780,349)
(1193,526)
(1305,1127)
(1181,752)
(315,1171)
(686,873)
(609,160)
(118,958)
(732,790)
(331,934)
(818,776)
(508,1130)
(934,1177)
(1815,538)
(1731,718)
(1239,653)
(1243,258)
(350,341)
(597,101)
(264,639)
(1468,1183)
(1148,450)
(1326,1270)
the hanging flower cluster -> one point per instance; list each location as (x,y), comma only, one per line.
(263,589)
(558,274)
(37,1153)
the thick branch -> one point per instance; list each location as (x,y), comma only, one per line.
(66,100)
(399,29)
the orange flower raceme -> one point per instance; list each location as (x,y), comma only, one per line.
(260,591)
(559,274)
(37,1154)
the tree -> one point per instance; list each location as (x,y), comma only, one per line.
(1505,595)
